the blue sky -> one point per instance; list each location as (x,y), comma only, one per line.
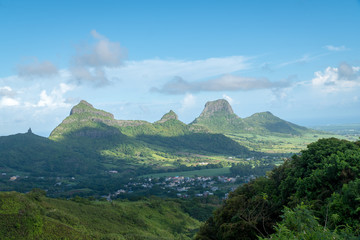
(138,59)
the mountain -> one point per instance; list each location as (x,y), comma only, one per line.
(266,122)
(171,115)
(90,143)
(39,156)
(169,132)
(85,120)
(219,117)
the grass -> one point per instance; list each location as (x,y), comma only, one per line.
(279,143)
(203,172)
(33,216)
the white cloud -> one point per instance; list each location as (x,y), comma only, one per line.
(335,48)
(8,102)
(37,69)
(7,95)
(160,69)
(189,101)
(89,62)
(55,98)
(332,80)
(227,98)
(7,91)
(302,60)
(224,83)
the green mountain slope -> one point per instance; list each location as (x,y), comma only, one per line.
(168,134)
(33,216)
(266,122)
(90,143)
(218,117)
(38,155)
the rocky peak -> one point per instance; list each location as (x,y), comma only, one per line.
(218,106)
(168,116)
(85,107)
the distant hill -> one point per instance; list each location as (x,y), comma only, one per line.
(40,156)
(218,117)
(266,122)
(169,132)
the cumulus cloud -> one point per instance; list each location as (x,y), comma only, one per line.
(8,102)
(335,48)
(189,101)
(7,95)
(342,78)
(225,83)
(7,91)
(55,98)
(37,69)
(89,64)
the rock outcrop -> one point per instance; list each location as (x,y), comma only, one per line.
(168,116)
(219,106)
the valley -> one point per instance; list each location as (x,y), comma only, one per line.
(91,153)
(177,170)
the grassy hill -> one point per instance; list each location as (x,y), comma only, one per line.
(218,117)
(33,216)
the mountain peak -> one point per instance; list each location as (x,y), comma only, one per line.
(168,116)
(218,106)
(85,107)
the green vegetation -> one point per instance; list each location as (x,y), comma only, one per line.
(33,216)
(278,143)
(218,117)
(90,152)
(301,223)
(325,177)
(312,195)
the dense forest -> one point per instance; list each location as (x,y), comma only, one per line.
(313,195)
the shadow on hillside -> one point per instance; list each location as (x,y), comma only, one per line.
(199,143)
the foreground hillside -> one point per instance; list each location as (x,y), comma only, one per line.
(317,192)
(33,216)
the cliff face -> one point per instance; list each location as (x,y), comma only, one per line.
(168,116)
(220,106)
(85,107)
(85,120)
(218,117)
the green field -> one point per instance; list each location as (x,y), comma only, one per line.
(202,172)
(280,143)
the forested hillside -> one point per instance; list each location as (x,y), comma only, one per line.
(33,216)
(314,195)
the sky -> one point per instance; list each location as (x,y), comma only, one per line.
(298,59)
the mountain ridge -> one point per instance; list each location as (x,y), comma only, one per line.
(216,117)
